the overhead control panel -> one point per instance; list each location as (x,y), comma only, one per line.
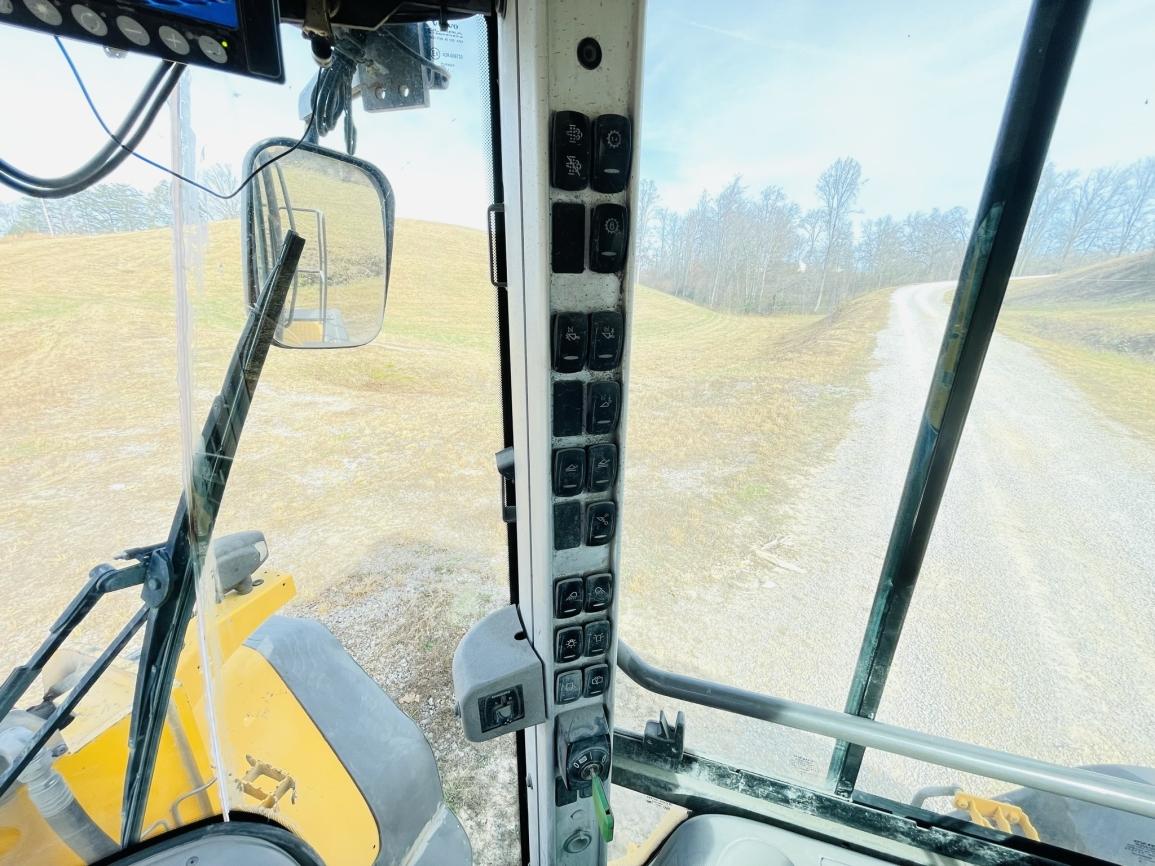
(239,36)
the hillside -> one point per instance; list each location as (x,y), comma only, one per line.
(370,470)
(1117,282)
(1097,325)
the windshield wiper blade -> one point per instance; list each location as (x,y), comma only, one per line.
(171,606)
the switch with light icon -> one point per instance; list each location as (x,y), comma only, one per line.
(609,238)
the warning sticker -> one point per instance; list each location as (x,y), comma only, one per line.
(448,45)
(1143,852)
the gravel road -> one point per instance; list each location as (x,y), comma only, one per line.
(1031,626)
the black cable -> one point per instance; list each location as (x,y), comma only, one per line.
(334,92)
(120,153)
(128,147)
(165,168)
(109,151)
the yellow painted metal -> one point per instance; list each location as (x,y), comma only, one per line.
(261,723)
(996,815)
(301,334)
(639,854)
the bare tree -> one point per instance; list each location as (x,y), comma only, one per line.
(838,187)
(647,202)
(1137,205)
(1088,213)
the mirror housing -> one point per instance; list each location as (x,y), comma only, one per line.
(343,207)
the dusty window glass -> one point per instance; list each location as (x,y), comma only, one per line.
(1030,625)
(368,470)
(808,186)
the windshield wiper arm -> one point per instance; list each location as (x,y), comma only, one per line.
(101,580)
(62,712)
(170,604)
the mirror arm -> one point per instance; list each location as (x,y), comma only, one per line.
(171,602)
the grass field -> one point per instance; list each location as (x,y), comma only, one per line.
(1097,326)
(371,470)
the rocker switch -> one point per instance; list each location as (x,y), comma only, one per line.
(607,328)
(568,597)
(609,237)
(569,471)
(612,147)
(570,643)
(570,337)
(601,467)
(569,164)
(604,406)
(600,520)
(599,592)
(597,638)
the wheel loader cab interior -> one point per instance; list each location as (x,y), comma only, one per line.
(662,632)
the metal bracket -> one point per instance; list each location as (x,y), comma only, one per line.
(285,784)
(663,741)
(157,579)
(316,21)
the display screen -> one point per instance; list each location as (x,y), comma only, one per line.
(222,12)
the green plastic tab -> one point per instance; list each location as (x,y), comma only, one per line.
(602,809)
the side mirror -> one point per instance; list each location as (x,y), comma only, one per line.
(343,207)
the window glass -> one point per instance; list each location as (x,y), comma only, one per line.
(1030,626)
(808,186)
(369,471)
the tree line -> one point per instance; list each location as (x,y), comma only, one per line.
(760,252)
(116,207)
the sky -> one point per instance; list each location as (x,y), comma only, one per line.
(773,92)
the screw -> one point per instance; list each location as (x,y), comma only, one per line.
(404,91)
(192,861)
(380,92)
(57,751)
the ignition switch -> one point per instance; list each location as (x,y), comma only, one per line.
(588,758)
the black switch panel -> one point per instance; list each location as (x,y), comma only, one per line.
(569,687)
(599,592)
(600,520)
(569,644)
(612,146)
(568,596)
(605,402)
(597,680)
(609,237)
(568,405)
(567,525)
(597,638)
(569,163)
(570,338)
(601,467)
(568,237)
(607,331)
(569,471)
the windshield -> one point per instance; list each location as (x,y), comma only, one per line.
(796,266)
(120,321)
